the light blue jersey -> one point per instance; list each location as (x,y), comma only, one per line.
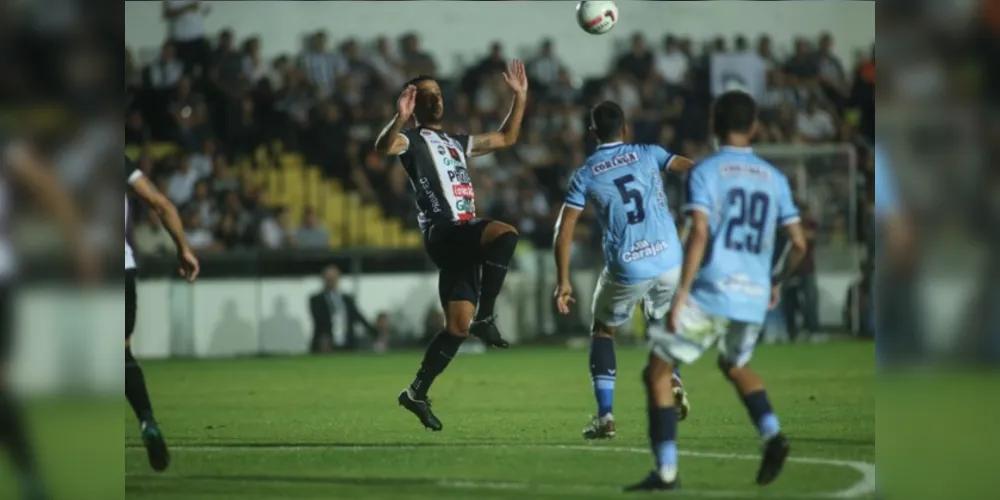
(885,186)
(746,200)
(623,181)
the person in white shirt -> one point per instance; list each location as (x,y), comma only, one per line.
(255,68)
(167,70)
(186,19)
(387,65)
(672,66)
(814,124)
(180,186)
(151,238)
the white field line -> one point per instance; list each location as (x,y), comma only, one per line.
(865,486)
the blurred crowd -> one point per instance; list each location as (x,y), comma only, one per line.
(218,99)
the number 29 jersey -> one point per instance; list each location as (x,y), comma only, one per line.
(746,199)
(624,184)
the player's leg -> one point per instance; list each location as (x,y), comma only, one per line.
(612,307)
(697,333)
(656,306)
(13,433)
(458,289)
(496,242)
(135,388)
(736,349)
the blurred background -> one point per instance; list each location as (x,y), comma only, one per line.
(258,122)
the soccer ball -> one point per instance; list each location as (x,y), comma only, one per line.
(597,18)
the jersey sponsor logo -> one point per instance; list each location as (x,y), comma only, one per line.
(742,169)
(427,133)
(742,284)
(425,184)
(616,162)
(463,191)
(459,175)
(643,250)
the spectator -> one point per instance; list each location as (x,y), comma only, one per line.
(166,71)
(545,69)
(765,49)
(335,317)
(416,61)
(279,71)
(387,66)
(623,91)
(198,236)
(186,25)
(742,44)
(322,67)
(180,187)
(779,93)
(383,332)
(189,114)
(672,66)
(204,204)
(863,95)
(802,68)
(355,67)
(255,68)
(201,161)
(227,66)
(638,63)
(136,132)
(831,72)
(233,207)
(294,102)
(228,234)
(814,124)
(565,91)
(800,295)
(152,239)
(224,178)
(312,234)
(276,231)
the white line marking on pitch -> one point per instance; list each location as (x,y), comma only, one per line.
(863,487)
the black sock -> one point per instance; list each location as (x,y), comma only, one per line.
(13,435)
(135,389)
(496,258)
(439,354)
(663,435)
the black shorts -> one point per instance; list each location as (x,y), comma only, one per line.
(6,320)
(455,249)
(130,305)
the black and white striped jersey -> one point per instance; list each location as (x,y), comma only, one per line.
(437,165)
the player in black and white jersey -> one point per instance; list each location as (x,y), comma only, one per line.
(21,167)
(135,383)
(472,253)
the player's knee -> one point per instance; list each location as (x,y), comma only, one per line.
(458,327)
(605,331)
(727,367)
(500,234)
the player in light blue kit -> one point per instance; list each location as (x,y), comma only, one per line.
(736,202)
(641,248)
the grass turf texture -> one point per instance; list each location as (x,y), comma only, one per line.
(329,428)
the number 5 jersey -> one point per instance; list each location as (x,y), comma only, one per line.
(624,183)
(746,200)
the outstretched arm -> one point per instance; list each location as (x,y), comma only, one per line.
(391,142)
(565,228)
(509,132)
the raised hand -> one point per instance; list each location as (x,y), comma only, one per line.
(407,102)
(516,77)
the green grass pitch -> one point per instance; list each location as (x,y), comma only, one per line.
(329,428)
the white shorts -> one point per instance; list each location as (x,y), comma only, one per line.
(699,331)
(615,302)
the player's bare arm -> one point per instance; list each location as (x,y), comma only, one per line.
(680,164)
(565,228)
(509,132)
(799,246)
(391,142)
(147,192)
(694,255)
(38,179)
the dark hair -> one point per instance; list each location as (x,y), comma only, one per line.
(733,113)
(607,120)
(417,80)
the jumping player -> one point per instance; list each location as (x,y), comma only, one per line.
(135,383)
(641,248)
(472,253)
(21,166)
(736,201)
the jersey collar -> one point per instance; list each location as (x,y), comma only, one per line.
(610,145)
(735,149)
